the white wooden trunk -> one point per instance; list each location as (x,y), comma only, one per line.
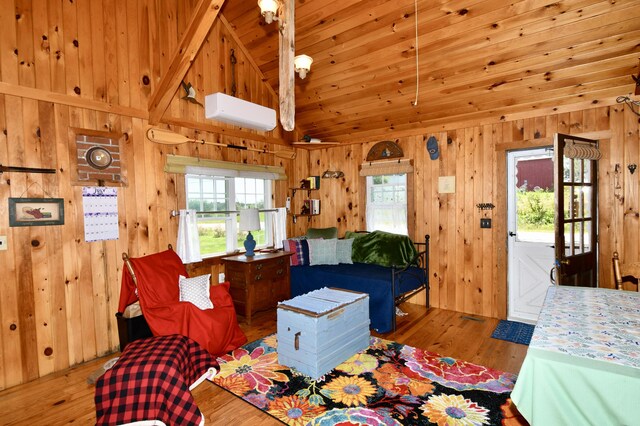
(320,330)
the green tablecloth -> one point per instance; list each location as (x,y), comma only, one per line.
(583,363)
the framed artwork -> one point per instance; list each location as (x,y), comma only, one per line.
(36,211)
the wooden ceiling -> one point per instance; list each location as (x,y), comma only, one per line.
(477,60)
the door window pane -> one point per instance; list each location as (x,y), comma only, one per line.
(577,170)
(586,175)
(567,169)
(587,236)
(535,208)
(568,239)
(587,192)
(567,202)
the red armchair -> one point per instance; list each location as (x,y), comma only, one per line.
(156,279)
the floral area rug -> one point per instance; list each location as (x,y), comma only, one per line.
(387,384)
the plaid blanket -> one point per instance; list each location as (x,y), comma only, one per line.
(151,381)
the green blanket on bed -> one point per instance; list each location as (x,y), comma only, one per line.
(382,248)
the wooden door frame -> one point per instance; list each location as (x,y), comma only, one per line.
(500,220)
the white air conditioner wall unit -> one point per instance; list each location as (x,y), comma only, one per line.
(225,108)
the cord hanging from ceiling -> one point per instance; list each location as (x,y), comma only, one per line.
(415,102)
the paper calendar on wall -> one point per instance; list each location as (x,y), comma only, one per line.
(100,213)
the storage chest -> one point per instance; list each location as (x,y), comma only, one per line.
(319,330)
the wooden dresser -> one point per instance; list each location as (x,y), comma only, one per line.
(258,283)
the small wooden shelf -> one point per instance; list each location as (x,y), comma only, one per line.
(294,190)
(295,216)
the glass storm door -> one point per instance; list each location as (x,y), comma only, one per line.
(576,219)
(531,215)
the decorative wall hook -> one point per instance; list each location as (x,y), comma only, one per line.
(485,206)
(632,168)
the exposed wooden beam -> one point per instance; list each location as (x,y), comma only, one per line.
(223,131)
(253,63)
(287,45)
(204,15)
(69,100)
(246,52)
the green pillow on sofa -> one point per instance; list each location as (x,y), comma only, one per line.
(382,248)
(326,233)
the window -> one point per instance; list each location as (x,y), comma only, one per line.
(387,203)
(219,232)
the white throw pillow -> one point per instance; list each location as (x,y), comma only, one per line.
(322,252)
(196,291)
(343,250)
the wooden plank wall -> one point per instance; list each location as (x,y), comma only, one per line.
(468,264)
(93,65)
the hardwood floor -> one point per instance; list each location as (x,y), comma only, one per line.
(65,397)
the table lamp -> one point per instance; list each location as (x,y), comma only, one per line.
(249,221)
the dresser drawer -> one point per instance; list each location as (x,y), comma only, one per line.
(257,283)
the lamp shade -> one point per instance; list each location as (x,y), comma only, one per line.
(269,9)
(249,220)
(302,64)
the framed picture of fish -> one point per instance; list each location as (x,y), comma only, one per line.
(36,211)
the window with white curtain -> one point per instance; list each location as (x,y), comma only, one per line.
(387,203)
(217,198)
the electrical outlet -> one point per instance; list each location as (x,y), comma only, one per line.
(221,277)
(3,242)
(485,223)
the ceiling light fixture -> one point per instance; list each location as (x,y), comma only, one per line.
(302,65)
(269,9)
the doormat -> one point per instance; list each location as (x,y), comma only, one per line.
(386,384)
(512,331)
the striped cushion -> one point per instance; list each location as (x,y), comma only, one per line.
(301,249)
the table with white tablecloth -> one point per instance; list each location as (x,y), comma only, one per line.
(583,364)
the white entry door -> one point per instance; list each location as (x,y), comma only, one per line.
(531,215)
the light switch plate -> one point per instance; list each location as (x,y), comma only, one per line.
(3,242)
(485,223)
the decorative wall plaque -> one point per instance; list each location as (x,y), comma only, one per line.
(384,150)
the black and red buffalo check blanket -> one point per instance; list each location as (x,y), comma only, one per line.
(151,382)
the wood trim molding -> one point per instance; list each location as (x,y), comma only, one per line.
(69,100)
(223,131)
(548,141)
(204,15)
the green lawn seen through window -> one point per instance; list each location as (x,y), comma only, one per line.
(213,239)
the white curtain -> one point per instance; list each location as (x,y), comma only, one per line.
(188,241)
(280,227)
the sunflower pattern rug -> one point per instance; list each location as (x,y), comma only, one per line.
(387,384)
